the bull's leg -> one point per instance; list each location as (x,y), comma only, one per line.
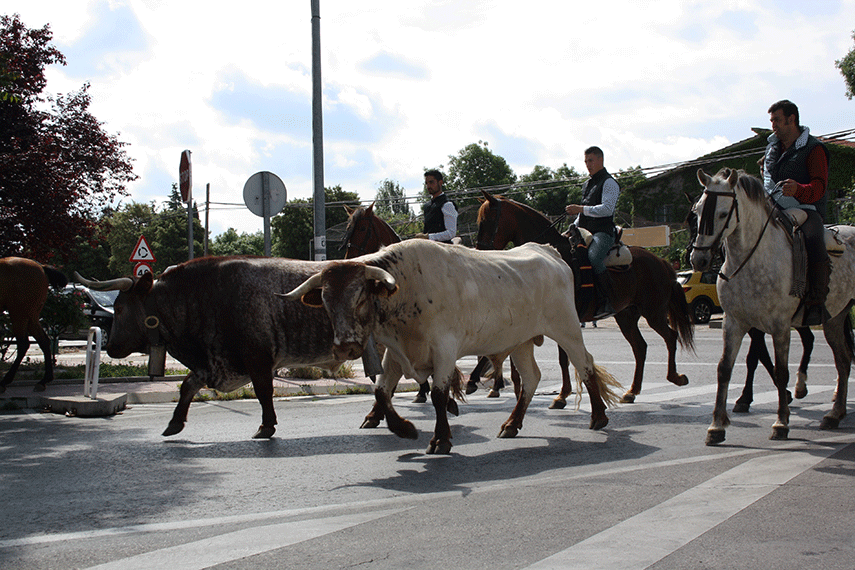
(44,343)
(475,375)
(424,389)
(262,383)
(498,380)
(23,345)
(839,336)
(560,401)
(386,384)
(523,359)
(732,341)
(807,349)
(189,388)
(441,440)
(627,320)
(391,368)
(781,427)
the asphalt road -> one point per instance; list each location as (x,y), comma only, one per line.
(643,493)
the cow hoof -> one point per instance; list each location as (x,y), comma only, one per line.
(780,432)
(741,408)
(39,388)
(452,408)
(173,428)
(714,436)
(801,392)
(471,387)
(369,423)
(680,381)
(439,448)
(599,423)
(829,422)
(628,398)
(558,404)
(508,432)
(264,432)
(493,394)
(405,429)
(420,399)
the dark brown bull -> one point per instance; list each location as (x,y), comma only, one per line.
(23,291)
(218,316)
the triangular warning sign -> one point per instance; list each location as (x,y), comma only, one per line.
(142,252)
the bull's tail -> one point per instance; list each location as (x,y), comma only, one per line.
(610,389)
(680,317)
(56,278)
(456,385)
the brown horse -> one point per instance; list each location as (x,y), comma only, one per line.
(23,291)
(365,232)
(647,288)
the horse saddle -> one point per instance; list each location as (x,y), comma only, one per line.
(792,219)
(619,255)
(833,244)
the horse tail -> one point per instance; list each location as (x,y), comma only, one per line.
(610,388)
(679,316)
(455,385)
(56,278)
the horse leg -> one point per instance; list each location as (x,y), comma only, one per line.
(732,342)
(560,401)
(523,359)
(807,349)
(22,346)
(498,380)
(838,333)
(757,352)
(781,342)
(659,323)
(189,388)
(43,341)
(627,320)
(475,375)
(515,379)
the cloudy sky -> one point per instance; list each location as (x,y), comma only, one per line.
(408,83)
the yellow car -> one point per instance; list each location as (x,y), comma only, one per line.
(701,294)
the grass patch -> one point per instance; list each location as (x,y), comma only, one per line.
(31,368)
(315,373)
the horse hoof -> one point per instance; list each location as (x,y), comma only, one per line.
(452,408)
(558,404)
(39,388)
(493,394)
(420,399)
(264,432)
(173,428)
(780,432)
(715,436)
(829,422)
(598,423)
(741,408)
(628,398)
(439,448)
(789,397)
(471,387)
(370,423)
(681,380)
(801,392)
(508,432)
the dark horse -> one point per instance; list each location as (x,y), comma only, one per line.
(23,291)
(365,232)
(647,288)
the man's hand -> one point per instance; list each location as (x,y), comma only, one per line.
(789,187)
(574,209)
(421,236)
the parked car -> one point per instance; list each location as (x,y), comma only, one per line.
(701,294)
(98,308)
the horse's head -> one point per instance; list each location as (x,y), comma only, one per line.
(365,232)
(715,215)
(492,230)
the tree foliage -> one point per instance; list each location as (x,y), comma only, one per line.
(293,230)
(548,190)
(230,243)
(59,169)
(391,201)
(846,65)
(475,166)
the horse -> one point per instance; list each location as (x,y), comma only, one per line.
(23,292)
(365,232)
(755,288)
(648,288)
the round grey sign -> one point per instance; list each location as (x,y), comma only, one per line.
(253,193)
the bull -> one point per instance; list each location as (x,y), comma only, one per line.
(431,304)
(218,316)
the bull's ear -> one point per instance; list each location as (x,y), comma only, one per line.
(313,298)
(143,285)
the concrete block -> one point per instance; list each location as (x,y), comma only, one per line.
(81,406)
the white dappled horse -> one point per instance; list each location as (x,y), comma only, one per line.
(754,288)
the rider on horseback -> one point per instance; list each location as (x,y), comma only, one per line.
(795,174)
(596,214)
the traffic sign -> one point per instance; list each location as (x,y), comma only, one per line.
(261,184)
(142,252)
(141,269)
(185,178)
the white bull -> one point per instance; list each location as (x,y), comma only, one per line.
(431,304)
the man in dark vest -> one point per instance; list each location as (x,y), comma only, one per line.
(596,214)
(440,214)
(795,174)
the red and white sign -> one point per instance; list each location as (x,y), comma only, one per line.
(185,178)
(141,269)
(142,252)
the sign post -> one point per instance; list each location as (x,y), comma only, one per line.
(265,195)
(185,183)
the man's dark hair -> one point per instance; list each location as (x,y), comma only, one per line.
(595,150)
(788,107)
(435,173)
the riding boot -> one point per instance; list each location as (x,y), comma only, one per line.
(818,278)
(603,285)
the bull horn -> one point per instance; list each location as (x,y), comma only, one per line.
(372,272)
(119,284)
(312,282)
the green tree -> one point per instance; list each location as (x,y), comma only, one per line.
(391,201)
(126,226)
(846,65)
(475,166)
(230,243)
(59,169)
(548,191)
(628,179)
(168,239)
(293,230)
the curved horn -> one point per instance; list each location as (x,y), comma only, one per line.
(120,284)
(312,282)
(380,275)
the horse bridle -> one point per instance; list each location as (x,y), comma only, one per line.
(489,243)
(361,248)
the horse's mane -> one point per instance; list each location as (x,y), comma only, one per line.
(530,212)
(751,185)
